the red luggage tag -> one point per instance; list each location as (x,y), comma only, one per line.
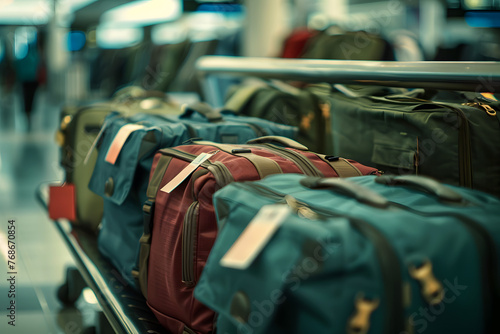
(62,202)
(255,236)
(169,187)
(119,140)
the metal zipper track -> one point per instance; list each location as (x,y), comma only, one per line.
(189,228)
(387,257)
(464,147)
(302,162)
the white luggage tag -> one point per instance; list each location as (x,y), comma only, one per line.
(94,144)
(179,178)
(255,236)
(119,140)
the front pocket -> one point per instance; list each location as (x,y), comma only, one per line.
(189,229)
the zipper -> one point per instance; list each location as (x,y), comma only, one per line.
(386,255)
(302,162)
(222,177)
(483,106)
(488,259)
(464,148)
(189,228)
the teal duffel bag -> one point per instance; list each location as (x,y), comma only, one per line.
(121,179)
(386,254)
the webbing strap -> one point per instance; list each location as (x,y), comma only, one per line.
(263,165)
(341,166)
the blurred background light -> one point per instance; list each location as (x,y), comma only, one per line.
(34,12)
(23,37)
(110,36)
(145,12)
(169,33)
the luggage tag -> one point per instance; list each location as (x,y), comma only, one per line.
(94,144)
(179,178)
(255,236)
(119,140)
(62,202)
(489,97)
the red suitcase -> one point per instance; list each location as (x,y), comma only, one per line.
(183,221)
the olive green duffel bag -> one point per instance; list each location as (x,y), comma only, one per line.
(79,128)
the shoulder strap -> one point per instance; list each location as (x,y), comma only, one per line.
(148,214)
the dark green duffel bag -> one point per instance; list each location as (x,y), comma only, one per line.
(455,143)
(290,106)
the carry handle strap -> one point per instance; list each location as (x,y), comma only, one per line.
(341,166)
(361,194)
(203,109)
(284,141)
(263,165)
(421,183)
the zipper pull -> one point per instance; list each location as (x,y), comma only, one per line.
(300,209)
(432,289)
(489,109)
(486,107)
(359,323)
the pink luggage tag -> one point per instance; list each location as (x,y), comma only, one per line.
(255,236)
(62,202)
(174,183)
(119,140)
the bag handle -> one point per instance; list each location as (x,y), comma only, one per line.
(284,141)
(360,193)
(203,109)
(421,183)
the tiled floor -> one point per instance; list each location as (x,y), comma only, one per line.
(27,160)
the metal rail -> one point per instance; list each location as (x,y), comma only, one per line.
(465,76)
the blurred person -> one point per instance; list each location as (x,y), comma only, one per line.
(7,84)
(27,70)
